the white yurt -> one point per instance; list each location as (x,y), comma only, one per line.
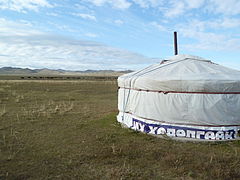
(183,97)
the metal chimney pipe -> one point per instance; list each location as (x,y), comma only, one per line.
(175,43)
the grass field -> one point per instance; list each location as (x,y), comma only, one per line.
(68,130)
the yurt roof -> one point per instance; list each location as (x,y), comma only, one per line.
(183,73)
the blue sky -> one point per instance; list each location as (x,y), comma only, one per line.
(116,34)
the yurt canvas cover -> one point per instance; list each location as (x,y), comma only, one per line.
(184,97)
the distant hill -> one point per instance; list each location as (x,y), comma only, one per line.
(10,70)
(45,71)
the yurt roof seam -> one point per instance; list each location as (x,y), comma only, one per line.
(125,104)
(164,65)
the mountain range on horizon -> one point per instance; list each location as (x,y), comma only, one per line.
(46,71)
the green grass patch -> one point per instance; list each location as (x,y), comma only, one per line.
(68,130)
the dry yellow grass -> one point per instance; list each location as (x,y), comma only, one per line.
(68,130)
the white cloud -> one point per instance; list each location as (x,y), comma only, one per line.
(212,24)
(220,44)
(173,8)
(23,46)
(191,4)
(23,5)
(80,7)
(158,26)
(98,2)
(57,52)
(118,22)
(85,16)
(148,3)
(177,8)
(205,39)
(225,23)
(21,28)
(92,35)
(52,14)
(62,27)
(118,4)
(226,7)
